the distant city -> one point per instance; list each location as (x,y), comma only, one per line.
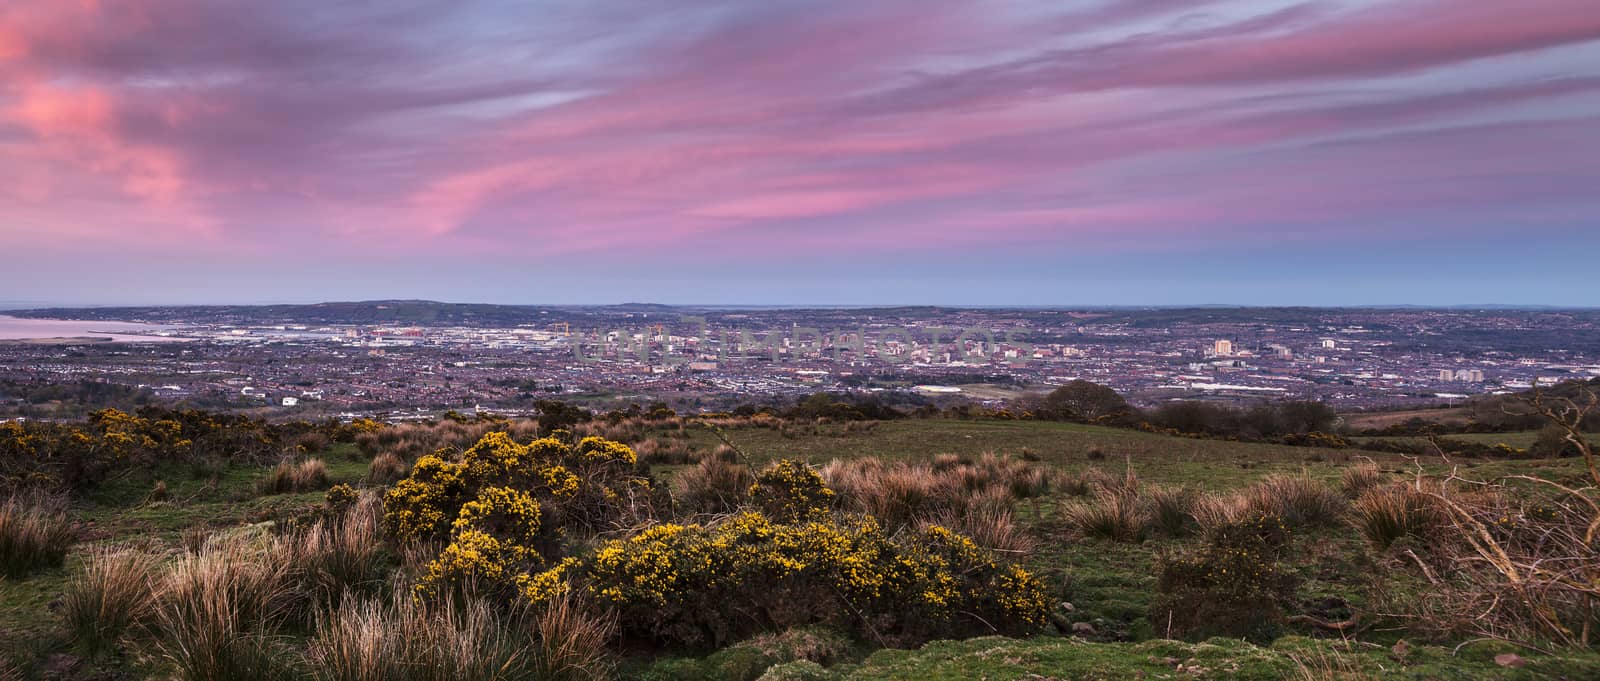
(394,358)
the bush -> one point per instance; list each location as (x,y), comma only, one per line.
(34,534)
(1230,586)
(709,585)
(115,589)
(505,508)
(570,643)
(790,490)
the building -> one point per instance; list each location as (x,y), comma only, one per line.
(1223,348)
(1328,344)
(1447,375)
(291,401)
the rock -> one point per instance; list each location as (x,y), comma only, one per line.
(1067,607)
(1082,629)
(1509,660)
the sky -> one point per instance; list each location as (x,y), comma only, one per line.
(964,152)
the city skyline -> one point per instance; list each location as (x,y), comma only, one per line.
(1251,152)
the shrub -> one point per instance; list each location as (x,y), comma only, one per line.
(791,490)
(1385,514)
(749,574)
(34,534)
(1116,517)
(1356,480)
(1230,586)
(289,476)
(115,589)
(504,508)
(713,486)
(1299,500)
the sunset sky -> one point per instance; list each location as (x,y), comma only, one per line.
(1015,152)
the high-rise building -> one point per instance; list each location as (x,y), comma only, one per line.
(1447,375)
(1223,348)
(1328,344)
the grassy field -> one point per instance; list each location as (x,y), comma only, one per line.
(1109,585)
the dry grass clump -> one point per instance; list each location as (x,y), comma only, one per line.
(1357,479)
(219,610)
(1109,515)
(991,528)
(334,557)
(570,643)
(446,640)
(388,468)
(1172,509)
(1385,514)
(115,589)
(900,494)
(1300,500)
(289,476)
(1214,511)
(669,452)
(34,534)
(714,485)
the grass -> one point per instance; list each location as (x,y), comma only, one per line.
(115,589)
(34,535)
(1108,584)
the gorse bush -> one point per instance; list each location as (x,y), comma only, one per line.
(503,508)
(791,490)
(34,534)
(1232,585)
(711,585)
(115,589)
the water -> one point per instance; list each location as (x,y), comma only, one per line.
(17,328)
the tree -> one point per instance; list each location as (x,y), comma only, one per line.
(1082,400)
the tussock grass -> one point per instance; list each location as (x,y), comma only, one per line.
(34,534)
(452,640)
(570,643)
(219,610)
(334,556)
(289,476)
(1300,500)
(388,468)
(1110,516)
(994,529)
(116,589)
(1385,514)
(1357,479)
(901,494)
(715,485)
(1172,509)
